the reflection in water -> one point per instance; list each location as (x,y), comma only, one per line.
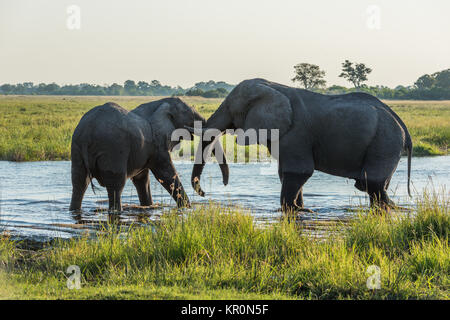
(35,196)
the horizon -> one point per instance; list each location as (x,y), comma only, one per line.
(181,43)
(347,86)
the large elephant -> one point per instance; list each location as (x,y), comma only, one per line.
(112,144)
(352,135)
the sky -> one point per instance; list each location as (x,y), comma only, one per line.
(181,42)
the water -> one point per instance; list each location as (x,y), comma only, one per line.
(35,196)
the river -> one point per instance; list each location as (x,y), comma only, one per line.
(35,196)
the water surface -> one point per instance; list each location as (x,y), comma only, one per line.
(35,196)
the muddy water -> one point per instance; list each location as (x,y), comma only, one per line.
(34,196)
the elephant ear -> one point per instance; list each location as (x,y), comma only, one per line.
(268,109)
(163,123)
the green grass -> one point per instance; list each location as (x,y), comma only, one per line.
(40,127)
(217,252)
(428,123)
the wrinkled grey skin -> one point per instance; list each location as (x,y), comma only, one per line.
(352,135)
(112,144)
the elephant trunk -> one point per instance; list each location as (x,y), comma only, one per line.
(199,164)
(220,120)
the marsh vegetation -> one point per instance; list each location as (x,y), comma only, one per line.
(219,252)
(40,127)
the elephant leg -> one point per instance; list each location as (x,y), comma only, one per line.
(80,182)
(142,183)
(114,182)
(378,195)
(376,190)
(360,184)
(380,163)
(296,166)
(291,191)
(114,196)
(165,173)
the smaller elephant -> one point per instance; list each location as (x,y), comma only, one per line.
(112,144)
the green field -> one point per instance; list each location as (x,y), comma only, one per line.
(428,123)
(214,252)
(40,127)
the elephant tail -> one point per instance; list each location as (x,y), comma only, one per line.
(409,148)
(85,157)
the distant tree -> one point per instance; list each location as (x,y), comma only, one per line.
(335,89)
(156,83)
(130,87)
(115,89)
(143,87)
(7,88)
(425,82)
(442,79)
(212,85)
(195,92)
(309,75)
(356,74)
(26,87)
(51,88)
(216,93)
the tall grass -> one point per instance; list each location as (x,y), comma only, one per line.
(40,127)
(220,248)
(428,123)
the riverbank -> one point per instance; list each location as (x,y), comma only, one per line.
(220,253)
(35,128)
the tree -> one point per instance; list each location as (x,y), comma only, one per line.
(355,74)
(130,87)
(115,89)
(212,85)
(425,82)
(443,79)
(144,88)
(309,75)
(156,84)
(195,92)
(7,88)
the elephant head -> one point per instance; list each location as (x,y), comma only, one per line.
(251,105)
(171,116)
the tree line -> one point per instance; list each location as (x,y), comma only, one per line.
(434,86)
(209,89)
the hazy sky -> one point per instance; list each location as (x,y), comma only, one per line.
(180,42)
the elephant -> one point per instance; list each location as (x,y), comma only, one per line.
(112,144)
(353,135)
